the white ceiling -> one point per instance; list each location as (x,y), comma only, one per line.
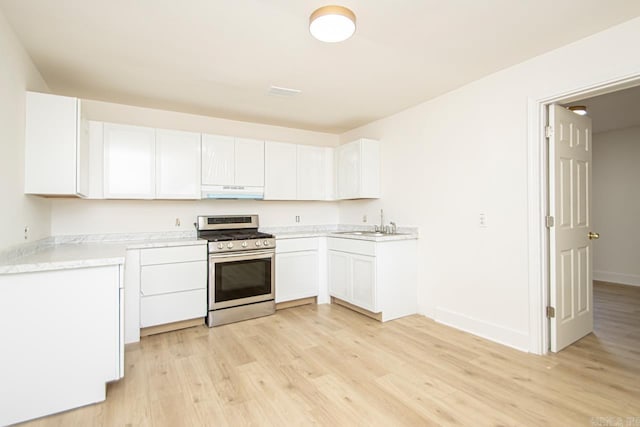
(616,110)
(218,58)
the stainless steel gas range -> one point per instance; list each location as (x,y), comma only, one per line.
(241,282)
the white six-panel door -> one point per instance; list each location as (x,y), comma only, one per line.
(571,287)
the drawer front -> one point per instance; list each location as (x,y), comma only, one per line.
(296,245)
(173,254)
(174,307)
(163,278)
(353,246)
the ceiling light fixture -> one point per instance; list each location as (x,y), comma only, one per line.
(579,109)
(332,24)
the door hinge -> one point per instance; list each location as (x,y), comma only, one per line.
(548,131)
(551,312)
(549,221)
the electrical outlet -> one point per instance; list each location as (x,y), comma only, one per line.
(26,232)
(177,222)
(364,218)
(297,218)
(482,220)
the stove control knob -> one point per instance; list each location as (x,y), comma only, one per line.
(229,245)
(244,244)
(258,243)
(266,243)
(220,246)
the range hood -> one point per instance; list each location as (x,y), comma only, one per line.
(232,192)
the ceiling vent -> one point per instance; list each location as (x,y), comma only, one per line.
(283,91)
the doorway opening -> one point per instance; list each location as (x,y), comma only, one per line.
(606,94)
(615,213)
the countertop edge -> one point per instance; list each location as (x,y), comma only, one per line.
(387,238)
(59,265)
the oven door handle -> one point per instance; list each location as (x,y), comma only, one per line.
(240,256)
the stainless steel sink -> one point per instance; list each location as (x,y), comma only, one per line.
(368,233)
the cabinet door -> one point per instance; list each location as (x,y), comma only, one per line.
(50,144)
(129,162)
(249,162)
(96,160)
(339,275)
(218,160)
(296,275)
(62,357)
(177,165)
(370,168)
(348,169)
(364,282)
(311,173)
(174,307)
(280,171)
(83,158)
(166,278)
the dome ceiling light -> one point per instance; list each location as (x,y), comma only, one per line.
(579,109)
(332,24)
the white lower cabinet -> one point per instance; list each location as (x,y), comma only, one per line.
(173,284)
(339,274)
(380,277)
(364,282)
(164,285)
(61,340)
(172,307)
(297,269)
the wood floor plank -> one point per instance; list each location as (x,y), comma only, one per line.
(327,365)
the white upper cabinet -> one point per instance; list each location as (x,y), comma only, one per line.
(232,161)
(177,165)
(218,160)
(249,162)
(129,162)
(312,183)
(280,171)
(147,163)
(298,172)
(56,146)
(358,169)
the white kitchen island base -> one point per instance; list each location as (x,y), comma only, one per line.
(61,340)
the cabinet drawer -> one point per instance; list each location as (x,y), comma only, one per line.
(163,278)
(296,245)
(173,254)
(174,307)
(353,246)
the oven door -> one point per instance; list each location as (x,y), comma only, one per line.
(243,278)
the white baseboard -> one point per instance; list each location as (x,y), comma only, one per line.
(490,331)
(623,279)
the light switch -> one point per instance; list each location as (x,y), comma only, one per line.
(482,220)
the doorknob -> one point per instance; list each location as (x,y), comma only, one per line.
(593,236)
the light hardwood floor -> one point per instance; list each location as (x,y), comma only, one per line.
(326,365)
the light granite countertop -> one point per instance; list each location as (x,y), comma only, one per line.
(297,232)
(66,252)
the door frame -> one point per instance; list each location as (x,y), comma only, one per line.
(538,196)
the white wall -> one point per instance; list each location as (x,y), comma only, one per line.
(464,153)
(74,216)
(17,74)
(616,205)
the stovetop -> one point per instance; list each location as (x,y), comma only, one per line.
(238,232)
(229,235)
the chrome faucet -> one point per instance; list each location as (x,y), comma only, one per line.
(380,227)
